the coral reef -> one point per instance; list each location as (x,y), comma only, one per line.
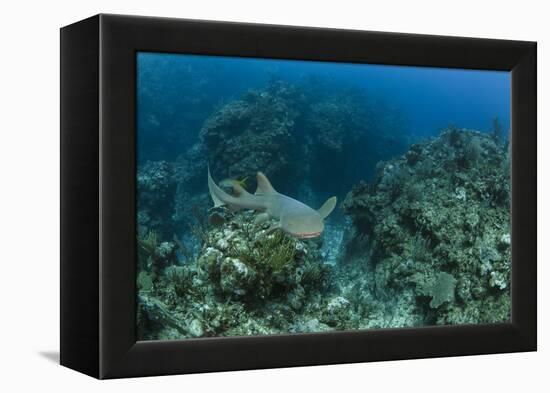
(300,139)
(156,187)
(344,124)
(243,282)
(427,243)
(425,240)
(254,132)
(437,220)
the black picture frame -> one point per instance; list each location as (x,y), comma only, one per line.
(98,242)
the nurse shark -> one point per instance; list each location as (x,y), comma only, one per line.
(293,217)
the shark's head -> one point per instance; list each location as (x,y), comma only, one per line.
(305,225)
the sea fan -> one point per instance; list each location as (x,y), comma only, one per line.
(443,289)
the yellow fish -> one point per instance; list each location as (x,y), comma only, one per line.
(233,183)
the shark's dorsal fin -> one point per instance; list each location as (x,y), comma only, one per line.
(264,186)
(327,207)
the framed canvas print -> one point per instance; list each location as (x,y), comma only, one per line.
(238,196)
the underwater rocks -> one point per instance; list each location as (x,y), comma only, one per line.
(244,281)
(253,133)
(237,278)
(428,243)
(437,220)
(337,309)
(289,133)
(338,122)
(298,136)
(153,254)
(156,187)
(167,197)
(344,124)
(246,263)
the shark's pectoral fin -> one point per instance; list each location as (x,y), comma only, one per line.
(261,218)
(270,229)
(327,207)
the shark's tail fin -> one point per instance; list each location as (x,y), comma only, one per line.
(214,191)
(241,199)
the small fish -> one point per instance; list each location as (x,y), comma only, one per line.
(294,217)
(216,219)
(227,184)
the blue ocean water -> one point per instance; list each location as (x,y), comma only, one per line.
(391,206)
(428,98)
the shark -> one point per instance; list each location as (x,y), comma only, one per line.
(292,216)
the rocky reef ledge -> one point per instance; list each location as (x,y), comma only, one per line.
(428,243)
(243,282)
(436,224)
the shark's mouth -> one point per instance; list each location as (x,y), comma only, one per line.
(308,235)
